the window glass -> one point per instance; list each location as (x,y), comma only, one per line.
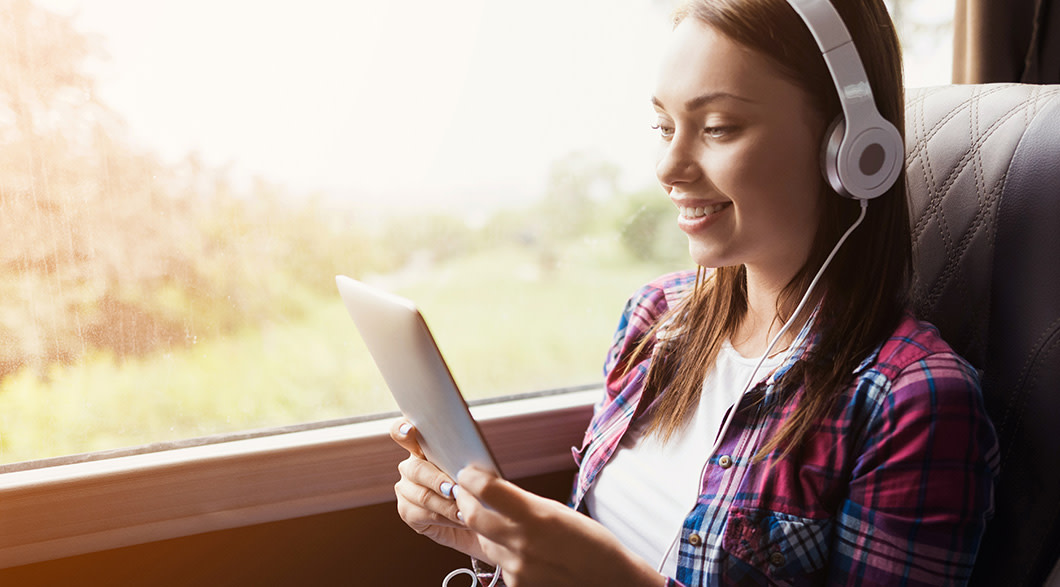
(925,28)
(181,180)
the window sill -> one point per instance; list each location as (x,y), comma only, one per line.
(67,510)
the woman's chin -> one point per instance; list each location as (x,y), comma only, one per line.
(705,256)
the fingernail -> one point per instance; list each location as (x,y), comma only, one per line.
(404,429)
(447,489)
(456,488)
(459,516)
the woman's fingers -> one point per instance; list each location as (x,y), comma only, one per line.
(425,494)
(494,492)
(422,485)
(425,499)
(404,433)
(492,506)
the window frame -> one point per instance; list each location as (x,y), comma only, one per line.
(64,510)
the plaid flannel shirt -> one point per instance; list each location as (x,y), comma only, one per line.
(894,487)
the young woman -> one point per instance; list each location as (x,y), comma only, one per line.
(742,439)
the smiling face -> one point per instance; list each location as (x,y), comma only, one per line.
(740,154)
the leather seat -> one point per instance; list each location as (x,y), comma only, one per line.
(983,171)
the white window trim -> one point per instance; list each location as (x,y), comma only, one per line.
(66,510)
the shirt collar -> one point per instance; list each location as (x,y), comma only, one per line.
(806,339)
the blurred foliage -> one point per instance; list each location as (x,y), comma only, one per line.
(647,230)
(105,249)
(424,237)
(485,309)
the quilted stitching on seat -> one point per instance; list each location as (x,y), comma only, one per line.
(947,227)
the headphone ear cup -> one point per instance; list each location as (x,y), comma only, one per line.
(833,140)
(871,164)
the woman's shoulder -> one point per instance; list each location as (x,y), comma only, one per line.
(644,308)
(916,344)
(663,292)
(925,401)
(916,369)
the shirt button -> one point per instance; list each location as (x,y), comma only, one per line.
(776,559)
(695,539)
(725,461)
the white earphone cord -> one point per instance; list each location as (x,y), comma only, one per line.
(773,343)
(474,577)
(809,290)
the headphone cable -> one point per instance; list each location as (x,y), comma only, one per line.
(474,577)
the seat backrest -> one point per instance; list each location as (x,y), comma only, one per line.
(983,171)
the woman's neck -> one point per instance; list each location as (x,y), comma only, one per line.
(762,322)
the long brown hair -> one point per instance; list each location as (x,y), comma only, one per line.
(862,294)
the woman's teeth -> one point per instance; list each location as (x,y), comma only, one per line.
(700,212)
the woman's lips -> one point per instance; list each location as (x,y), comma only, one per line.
(695,218)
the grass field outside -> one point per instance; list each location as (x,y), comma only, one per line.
(507,321)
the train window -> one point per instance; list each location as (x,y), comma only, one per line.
(925,28)
(181,180)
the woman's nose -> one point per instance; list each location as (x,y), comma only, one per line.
(677,164)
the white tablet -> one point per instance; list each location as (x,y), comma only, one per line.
(412,366)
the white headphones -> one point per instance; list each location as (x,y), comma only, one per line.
(863,152)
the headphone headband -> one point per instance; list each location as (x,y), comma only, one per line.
(864,152)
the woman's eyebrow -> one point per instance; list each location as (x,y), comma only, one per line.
(704,99)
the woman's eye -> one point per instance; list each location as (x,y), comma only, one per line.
(717,132)
(665,131)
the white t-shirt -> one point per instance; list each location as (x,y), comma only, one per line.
(648,487)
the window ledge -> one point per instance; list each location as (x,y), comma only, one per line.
(67,510)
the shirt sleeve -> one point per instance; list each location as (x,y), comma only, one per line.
(638,316)
(922,490)
(647,306)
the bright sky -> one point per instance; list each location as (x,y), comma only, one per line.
(411,102)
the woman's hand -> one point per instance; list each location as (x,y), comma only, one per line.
(541,542)
(425,498)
